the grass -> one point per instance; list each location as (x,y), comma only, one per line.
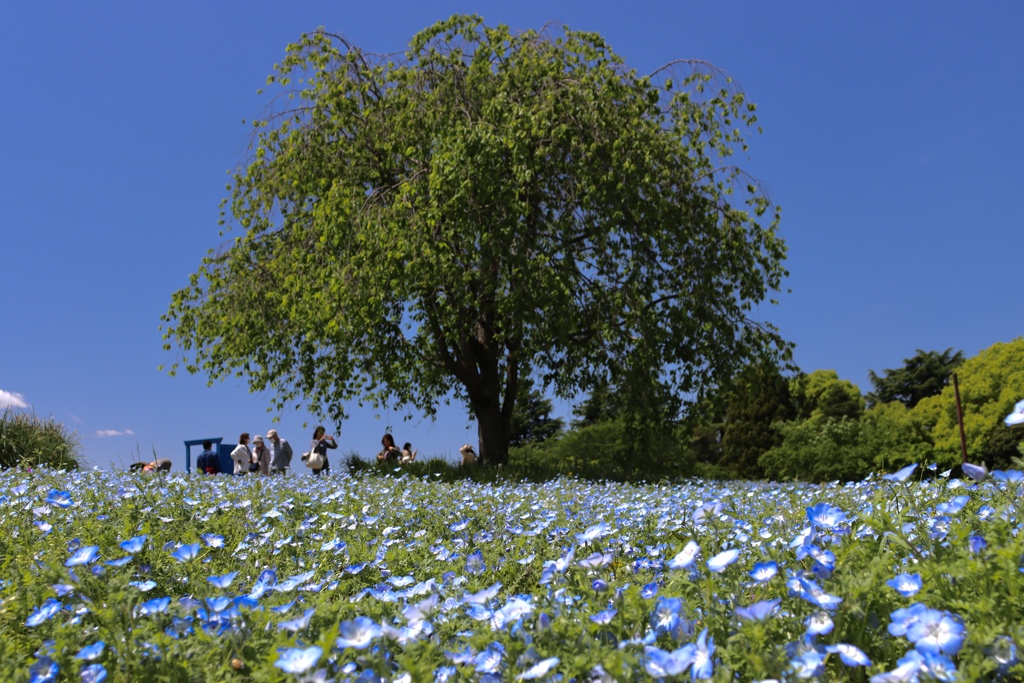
(30,441)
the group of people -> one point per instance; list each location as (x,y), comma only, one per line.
(391,452)
(273,455)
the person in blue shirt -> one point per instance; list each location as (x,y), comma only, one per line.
(208,462)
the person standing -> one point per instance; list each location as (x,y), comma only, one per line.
(390,451)
(320,444)
(242,456)
(208,462)
(280,452)
(260,455)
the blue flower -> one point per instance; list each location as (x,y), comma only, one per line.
(649,590)
(84,555)
(661,664)
(540,669)
(475,563)
(703,662)
(61,499)
(94,673)
(850,655)
(154,606)
(186,553)
(759,611)
(298,624)
(937,632)
(819,624)
(144,586)
(357,633)
(905,584)
(809,664)
(44,612)
(297,660)
(134,544)
(223,581)
(597,560)
(119,562)
(604,616)
(719,562)
(91,652)
(45,670)
(764,571)
(902,475)
(975,472)
(594,532)
(825,516)
(213,540)
(686,557)
(488,661)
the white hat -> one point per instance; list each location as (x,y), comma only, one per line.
(257,439)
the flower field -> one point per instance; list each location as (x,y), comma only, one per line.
(116,577)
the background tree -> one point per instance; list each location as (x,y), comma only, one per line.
(531,419)
(821,395)
(925,374)
(490,207)
(759,398)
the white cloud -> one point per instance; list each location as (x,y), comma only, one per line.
(9,399)
(104,433)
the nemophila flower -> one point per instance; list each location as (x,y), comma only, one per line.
(298,624)
(850,655)
(604,616)
(293,582)
(712,510)
(759,611)
(597,560)
(475,563)
(719,562)
(224,581)
(539,670)
(213,540)
(599,585)
(659,663)
(91,652)
(297,660)
(666,617)
(61,499)
(937,632)
(63,589)
(482,597)
(94,673)
(357,633)
(186,553)
(144,586)
(119,562)
(403,581)
(44,612)
(953,506)
(703,657)
(355,568)
(599,530)
(764,571)
(686,557)
(84,555)
(45,670)
(219,603)
(975,472)
(825,516)
(488,660)
(1016,416)
(905,584)
(808,664)
(901,475)
(1004,651)
(938,528)
(649,590)
(154,606)
(819,624)
(134,545)
(811,592)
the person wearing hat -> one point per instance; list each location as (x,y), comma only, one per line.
(280,452)
(260,456)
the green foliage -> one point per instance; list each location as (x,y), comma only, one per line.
(493,206)
(818,450)
(821,395)
(990,384)
(601,404)
(30,441)
(925,374)
(760,397)
(531,417)
(609,450)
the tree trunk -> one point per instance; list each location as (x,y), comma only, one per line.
(492,432)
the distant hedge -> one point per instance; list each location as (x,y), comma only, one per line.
(30,441)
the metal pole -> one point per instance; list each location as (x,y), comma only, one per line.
(960,419)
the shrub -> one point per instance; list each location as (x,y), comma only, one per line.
(30,441)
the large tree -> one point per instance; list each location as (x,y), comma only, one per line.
(925,374)
(488,207)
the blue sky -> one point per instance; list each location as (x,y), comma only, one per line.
(892,140)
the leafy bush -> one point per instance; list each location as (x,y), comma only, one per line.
(818,450)
(30,441)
